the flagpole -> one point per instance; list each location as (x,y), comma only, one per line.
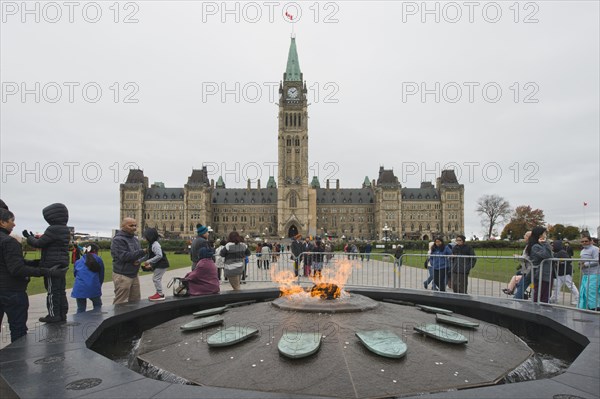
(291,18)
(584,219)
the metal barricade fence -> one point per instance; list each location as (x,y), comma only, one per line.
(495,276)
(490,275)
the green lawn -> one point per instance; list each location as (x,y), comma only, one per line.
(36,286)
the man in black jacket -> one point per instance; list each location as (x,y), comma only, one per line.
(14,277)
(297,249)
(462,265)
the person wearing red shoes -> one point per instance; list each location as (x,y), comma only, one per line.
(156,261)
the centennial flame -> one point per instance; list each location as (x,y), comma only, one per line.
(330,284)
(325,291)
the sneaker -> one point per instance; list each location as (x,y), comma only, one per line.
(157,297)
(51,319)
(574,303)
(425,284)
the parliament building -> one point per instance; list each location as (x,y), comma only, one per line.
(289,203)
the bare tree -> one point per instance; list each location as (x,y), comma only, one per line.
(494,210)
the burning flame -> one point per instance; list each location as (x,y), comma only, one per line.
(332,278)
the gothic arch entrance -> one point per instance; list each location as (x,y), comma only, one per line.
(293,230)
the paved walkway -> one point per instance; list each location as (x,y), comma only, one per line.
(37,303)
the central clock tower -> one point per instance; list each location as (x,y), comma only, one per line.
(293,191)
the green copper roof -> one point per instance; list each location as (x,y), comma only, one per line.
(271,183)
(220,182)
(315,182)
(292,71)
(367,182)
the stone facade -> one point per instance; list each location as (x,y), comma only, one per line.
(378,209)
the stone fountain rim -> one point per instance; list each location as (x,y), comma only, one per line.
(82,365)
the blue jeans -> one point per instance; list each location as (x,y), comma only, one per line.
(522,286)
(430,279)
(82,303)
(15,304)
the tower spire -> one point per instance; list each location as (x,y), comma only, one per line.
(292,71)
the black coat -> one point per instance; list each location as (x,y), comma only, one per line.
(55,240)
(14,270)
(569,250)
(297,248)
(563,267)
(318,252)
(463,265)
(399,252)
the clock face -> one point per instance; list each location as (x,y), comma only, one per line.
(292,92)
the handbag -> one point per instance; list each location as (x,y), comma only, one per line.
(180,286)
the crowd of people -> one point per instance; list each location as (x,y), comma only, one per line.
(213,263)
(311,254)
(542,267)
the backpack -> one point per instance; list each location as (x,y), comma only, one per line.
(180,286)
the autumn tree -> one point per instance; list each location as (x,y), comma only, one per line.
(514,230)
(531,217)
(493,210)
(559,231)
(523,219)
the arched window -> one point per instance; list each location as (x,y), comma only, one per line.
(293,200)
(297,141)
(286,119)
(288,141)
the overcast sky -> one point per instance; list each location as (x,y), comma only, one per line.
(505,93)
